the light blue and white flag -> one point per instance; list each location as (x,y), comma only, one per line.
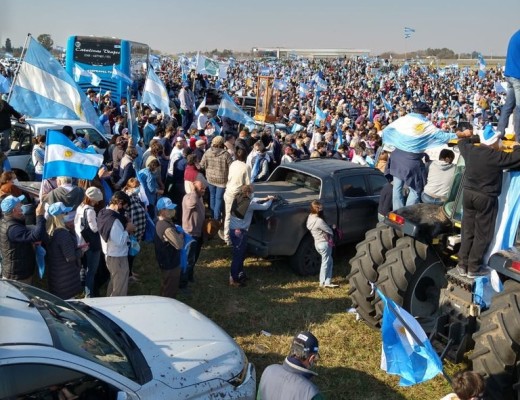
(415,133)
(78,72)
(264,71)
(403,71)
(218,129)
(386,104)
(5,84)
(155,94)
(202,104)
(63,158)
(408,32)
(321,83)
(280,85)
(229,109)
(118,74)
(296,128)
(133,126)
(43,89)
(458,87)
(207,66)
(303,89)
(222,70)
(481,66)
(320,116)
(500,87)
(406,350)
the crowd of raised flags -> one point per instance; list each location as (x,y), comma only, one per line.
(339,95)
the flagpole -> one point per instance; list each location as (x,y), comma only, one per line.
(24,50)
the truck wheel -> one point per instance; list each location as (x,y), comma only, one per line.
(306,261)
(497,344)
(412,276)
(370,254)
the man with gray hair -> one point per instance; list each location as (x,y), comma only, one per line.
(66,192)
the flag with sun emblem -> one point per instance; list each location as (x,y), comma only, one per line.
(406,352)
(43,89)
(63,158)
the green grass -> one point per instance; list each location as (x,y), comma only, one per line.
(282,303)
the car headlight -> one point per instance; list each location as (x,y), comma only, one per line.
(239,379)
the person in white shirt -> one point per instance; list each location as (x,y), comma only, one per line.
(114,229)
(203,120)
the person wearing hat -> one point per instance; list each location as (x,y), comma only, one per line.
(481,188)
(63,254)
(87,234)
(411,135)
(17,239)
(215,162)
(167,248)
(292,379)
(114,229)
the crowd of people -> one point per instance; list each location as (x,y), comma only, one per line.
(187,169)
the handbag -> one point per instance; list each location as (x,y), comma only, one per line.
(92,238)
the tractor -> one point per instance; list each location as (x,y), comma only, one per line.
(411,257)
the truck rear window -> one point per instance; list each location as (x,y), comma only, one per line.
(296,178)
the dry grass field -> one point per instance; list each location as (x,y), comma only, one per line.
(281,303)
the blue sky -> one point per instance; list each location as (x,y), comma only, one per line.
(173,26)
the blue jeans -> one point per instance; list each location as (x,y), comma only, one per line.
(239,240)
(91,263)
(216,197)
(325,252)
(511,105)
(398,197)
(431,200)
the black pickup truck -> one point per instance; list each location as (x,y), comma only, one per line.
(350,196)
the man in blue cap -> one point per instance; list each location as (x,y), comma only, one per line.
(168,243)
(16,240)
(292,379)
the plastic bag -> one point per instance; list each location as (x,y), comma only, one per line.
(134,248)
(485,288)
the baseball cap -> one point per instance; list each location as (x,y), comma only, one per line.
(164,203)
(58,208)
(10,202)
(94,193)
(307,341)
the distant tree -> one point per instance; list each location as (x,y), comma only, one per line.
(8,45)
(474,54)
(226,53)
(46,41)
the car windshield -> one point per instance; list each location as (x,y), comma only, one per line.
(93,136)
(74,332)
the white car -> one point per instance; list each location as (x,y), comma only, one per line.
(24,133)
(140,347)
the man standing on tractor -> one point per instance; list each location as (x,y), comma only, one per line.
(482,186)
(411,135)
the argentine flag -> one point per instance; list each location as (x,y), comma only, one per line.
(118,74)
(320,116)
(406,351)
(415,133)
(387,105)
(481,66)
(63,158)
(79,72)
(155,94)
(229,109)
(43,89)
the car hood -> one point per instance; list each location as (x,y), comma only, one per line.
(182,346)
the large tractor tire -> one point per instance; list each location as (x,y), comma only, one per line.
(306,261)
(412,276)
(497,344)
(370,254)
